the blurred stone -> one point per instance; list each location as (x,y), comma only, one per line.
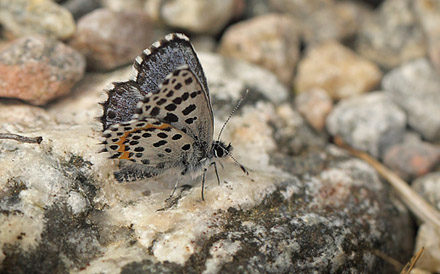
(393,35)
(323,20)
(268,40)
(337,70)
(206,17)
(255,8)
(300,8)
(79,8)
(37,69)
(428,13)
(428,237)
(24,17)
(110,39)
(428,186)
(415,87)
(371,122)
(412,158)
(124,5)
(314,105)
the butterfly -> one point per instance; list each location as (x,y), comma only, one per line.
(161,121)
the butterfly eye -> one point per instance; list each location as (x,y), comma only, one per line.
(218,151)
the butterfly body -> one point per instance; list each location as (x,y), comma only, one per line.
(161,121)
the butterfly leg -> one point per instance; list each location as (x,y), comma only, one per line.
(203,182)
(177,182)
(216,172)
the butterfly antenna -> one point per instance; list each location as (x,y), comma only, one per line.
(240,165)
(232,113)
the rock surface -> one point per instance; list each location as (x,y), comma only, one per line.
(371,122)
(195,16)
(415,87)
(314,105)
(37,69)
(79,8)
(428,187)
(268,40)
(26,17)
(393,35)
(324,20)
(110,39)
(337,70)
(68,214)
(412,158)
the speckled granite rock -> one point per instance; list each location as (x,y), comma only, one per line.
(79,8)
(415,87)
(393,35)
(208,16)
(24,17)
(321,20)
(37,69)
(62,211)
(109,39)
(412,157)
(124,5)
(371,122)
(428,237)
(314,105)
(336,69)
(269,40)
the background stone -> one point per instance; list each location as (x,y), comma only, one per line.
(393,35)
(38,70)
(415,87)
(25,17)
(370,122)
(110,39)
(269,40)
(337,70)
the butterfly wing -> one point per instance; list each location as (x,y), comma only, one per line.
(121,103)
(181,102)
(164,57)
(147,147)
(155,62)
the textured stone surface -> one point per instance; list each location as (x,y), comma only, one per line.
(427,236)
(269,40)
(63,211)
(24,17)
(208,16)
(323,20)
(79,8)
(412,158)
(124,5)
(110,39)
(393,35)
(371,122)
(314,105)
(428,14)
(415,87)
(337,70)
(38,69)
(429,187)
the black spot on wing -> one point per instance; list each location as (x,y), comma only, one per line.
(189,109)
(171,118)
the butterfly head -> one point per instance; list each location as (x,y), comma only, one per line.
(220,149)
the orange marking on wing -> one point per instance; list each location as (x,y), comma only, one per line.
(125,154)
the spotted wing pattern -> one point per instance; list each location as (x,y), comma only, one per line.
(181,102)
(147,146)
(151,67)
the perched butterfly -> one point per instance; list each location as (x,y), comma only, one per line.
(161,120)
